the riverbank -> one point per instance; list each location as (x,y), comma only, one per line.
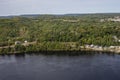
(61,52)
(55,47)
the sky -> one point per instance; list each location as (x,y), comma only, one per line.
(18,7)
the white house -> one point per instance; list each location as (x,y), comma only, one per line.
(17,42)
(91,45)
(25,41)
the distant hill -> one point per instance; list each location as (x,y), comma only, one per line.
(86,14)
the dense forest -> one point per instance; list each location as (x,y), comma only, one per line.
(58,32)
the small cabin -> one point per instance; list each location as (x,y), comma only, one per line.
(87,46)
(91,45)
(17,42)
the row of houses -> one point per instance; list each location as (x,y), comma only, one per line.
(101,48)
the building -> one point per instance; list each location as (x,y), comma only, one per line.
(17,42)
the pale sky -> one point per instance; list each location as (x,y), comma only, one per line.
(18,7)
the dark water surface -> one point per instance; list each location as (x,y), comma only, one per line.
(52,67)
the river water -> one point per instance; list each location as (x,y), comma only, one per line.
(53,67)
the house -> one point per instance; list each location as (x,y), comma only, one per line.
(112,47)
(117,47)
(17,42)
(87,46)
(119,40)
(100,47)
(96,46)
(115,38)
(91,45)
(25,41)
(102,20)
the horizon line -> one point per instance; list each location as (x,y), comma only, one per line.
(59,13)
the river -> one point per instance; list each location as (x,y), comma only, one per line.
(53,67)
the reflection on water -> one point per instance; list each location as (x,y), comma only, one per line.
(60,67)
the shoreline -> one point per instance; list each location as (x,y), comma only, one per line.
(62,52)
(33,48)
